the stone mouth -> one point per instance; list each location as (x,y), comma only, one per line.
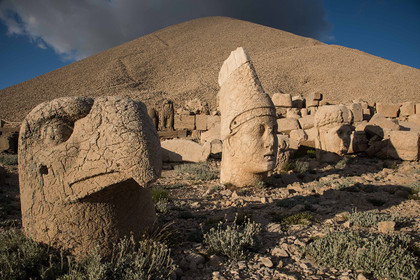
(269,157)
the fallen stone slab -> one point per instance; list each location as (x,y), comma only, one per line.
(180,150)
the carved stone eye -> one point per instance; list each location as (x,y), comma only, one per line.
(55,132)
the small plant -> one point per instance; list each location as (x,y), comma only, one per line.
(159,193)
(232,239)
(342,163)
(384,256)
(197,171)
(9,159)
(415,190)
(370,218)
(301,166)
(344,185)
(162,205)
(302,218)
(22,258)
(260,185)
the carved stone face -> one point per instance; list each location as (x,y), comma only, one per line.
(255,144)
(83,166)
(336,139)
(251,152)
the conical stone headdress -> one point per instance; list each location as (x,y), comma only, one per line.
(241,96)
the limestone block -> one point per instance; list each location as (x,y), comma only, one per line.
(311,103)
(216,148)
(387,110)
(282,100)
(286,125)
(404,145)
(196,106)
(169,134)
(358,142)
(201,122)
(415,119)
(180,150)
(9,139)
(299,135)
(379,125)
(281,111)
(407,109)
(304,112)
(84,165)
(366,114)
(306,122)
(211,134)
(357,111)
(298,102)
(418,109)
(315,96)
(311,135)
(293,113)
(212,121)
(184,122)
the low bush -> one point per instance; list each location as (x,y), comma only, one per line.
(197,171)
(232,240)
(370,218)
(22,258)
(383,256)
(302,218)
(415,190)
(9,159)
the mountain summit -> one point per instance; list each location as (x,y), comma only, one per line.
(183,61)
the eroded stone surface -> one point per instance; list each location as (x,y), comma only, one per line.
(83,166)
(248,123)
(334,132)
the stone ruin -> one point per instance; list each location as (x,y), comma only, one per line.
(248,123)
(84,168)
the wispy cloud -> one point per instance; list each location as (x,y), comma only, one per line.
(77,29)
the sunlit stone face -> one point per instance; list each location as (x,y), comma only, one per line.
(254,146)
(336,139)
(83,166)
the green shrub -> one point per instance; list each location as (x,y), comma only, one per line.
(159,193)
(9,159)
(197,171)
(370,218)
(162,205)
(232,239)
(302,218)
(384,256)
(291,202)
(22,258)
(301,166)
(415,190)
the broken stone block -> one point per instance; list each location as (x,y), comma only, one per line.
(311,135)
(201,122)
(311,103)
(379,125)
(84,165)
(282,100)
(9,139)
(299,135)
(407,109)
(358,142)
(293,113)
(184,122)
(183,150)
(211,134)
(298,102)
(196,106)
(212,121)
(304,112)
(315,96)
(357,111)
(286,125)
(387,109)
(404,145)
(306,122)
(216,148)
(366,114)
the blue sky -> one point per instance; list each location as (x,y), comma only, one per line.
(39,36)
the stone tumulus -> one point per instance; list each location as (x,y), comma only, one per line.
(248,123)
(84,165)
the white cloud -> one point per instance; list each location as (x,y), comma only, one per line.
(76,29)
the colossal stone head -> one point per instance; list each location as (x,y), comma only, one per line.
(84,165)
(334,132)
(248,123)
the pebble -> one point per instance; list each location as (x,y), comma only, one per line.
(279,252)
(266,261)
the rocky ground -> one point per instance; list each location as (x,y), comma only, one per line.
(327,194)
